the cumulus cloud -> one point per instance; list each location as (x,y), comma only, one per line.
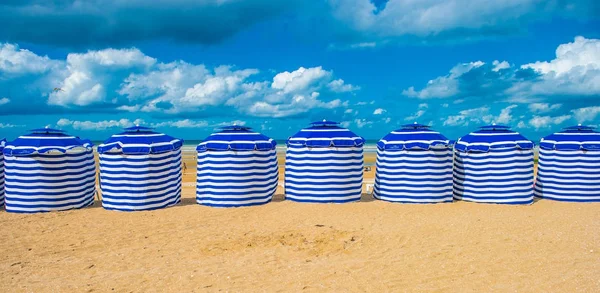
(379,111)
(4,101)
(586,114)
(96,125)
(443,86)
(415,116)
(15,61)
(543,107)
(360,123)
(546,121)
(339,86)
(128,80)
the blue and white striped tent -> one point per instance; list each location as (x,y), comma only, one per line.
(49,170)
(2,144)
(140,170)
(494,165)
(569,165)
(324,163)
(236,167)
(414,165)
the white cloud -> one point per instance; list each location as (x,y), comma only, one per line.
(186,123)
(505,115)
(415,116)
(521,124)
(423,105)
(86,75)
(345,124)
(543,107)
(348,111)
(298,80)
(500,65)
(379,111)
(443,86)
(360,123)
(97,125)
(546,121)
(15,61)
(574,71)
(4,101)
(476,115)
(297,104)
(339,86)
(9,125)
(586,113)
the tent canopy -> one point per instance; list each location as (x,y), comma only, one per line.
(236,138)
(413,136)
(44,140)
(139,140)
(492,137)
(573,138)
(325,133)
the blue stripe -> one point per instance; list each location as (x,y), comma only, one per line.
(87,201)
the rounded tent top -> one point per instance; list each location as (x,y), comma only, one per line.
(325,134)
(45,140)
(2,144)
(236,138)
(140,140)
(492,137)
(573,138)
(413,136)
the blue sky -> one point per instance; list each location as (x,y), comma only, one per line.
(188,67)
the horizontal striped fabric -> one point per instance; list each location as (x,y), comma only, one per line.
(2,144)
(569,166)
(140,170)
(414,165)
(236,167)
(494,165)
(48,170)
(324,164)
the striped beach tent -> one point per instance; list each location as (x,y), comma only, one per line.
(569,165)
(414,165)
(140,169)
(49,170)
(324,163)
(494,165)
(2,144)
(236,167)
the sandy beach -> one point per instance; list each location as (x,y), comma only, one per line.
(286,246)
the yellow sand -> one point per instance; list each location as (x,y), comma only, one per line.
(286,246)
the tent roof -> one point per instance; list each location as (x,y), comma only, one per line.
(325,134)
(413,136)
(236,138)
(492,137)
(573,138)
(44,140)
(139,140)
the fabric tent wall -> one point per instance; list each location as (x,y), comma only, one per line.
(414,165)
(48,170)
(494,165)
(2,144)
(140,170)
(324,163)
(236,167)
(569,166)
